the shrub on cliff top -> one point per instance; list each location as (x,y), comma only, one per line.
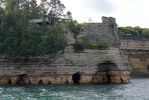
(102,46)
(78,47)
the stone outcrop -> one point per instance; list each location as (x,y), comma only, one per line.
(111,77)
(90,66)
(138,56)
(139,61)
(105,32)
(135,45)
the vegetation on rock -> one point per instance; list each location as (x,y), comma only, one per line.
(133,33)
(78,47)
(102,46)
(17,37)
(76,28)
(87,45)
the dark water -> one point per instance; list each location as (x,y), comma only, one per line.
(137,89)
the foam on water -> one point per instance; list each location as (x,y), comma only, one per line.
(137,89)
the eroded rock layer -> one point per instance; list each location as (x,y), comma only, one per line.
(90,66)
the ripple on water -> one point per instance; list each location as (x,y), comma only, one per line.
(137,89)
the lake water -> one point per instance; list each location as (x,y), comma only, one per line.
(137,89)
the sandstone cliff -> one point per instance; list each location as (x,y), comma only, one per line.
(90,66)
(138,56)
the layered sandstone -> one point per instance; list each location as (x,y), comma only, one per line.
(90,66)
(138,56)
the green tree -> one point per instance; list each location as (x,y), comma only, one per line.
(53,41)
(53,10)
(69,15)
(85,41)
(34,10)
(75,28)
(136,32)
(19,38)
(146,33)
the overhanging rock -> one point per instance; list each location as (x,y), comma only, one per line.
(92,66)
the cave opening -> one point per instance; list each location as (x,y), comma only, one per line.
(9,81)
(49,82)
(106,67)
(76,78)
(29,82)
(122,80)
(40,82)
(22,79)
(108,77)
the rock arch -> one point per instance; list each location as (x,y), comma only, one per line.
(103,74)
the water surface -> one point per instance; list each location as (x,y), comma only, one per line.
(137,89)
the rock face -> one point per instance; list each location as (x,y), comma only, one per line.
(138,55)
(90,66)
(105,32)
(139,61)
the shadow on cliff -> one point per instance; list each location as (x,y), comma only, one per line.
(76,78)
(23,79)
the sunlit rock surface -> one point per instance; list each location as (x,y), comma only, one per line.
(89,66)
(92,66)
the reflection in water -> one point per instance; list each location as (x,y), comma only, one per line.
(137,89)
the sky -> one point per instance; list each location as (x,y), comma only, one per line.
(126,12)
